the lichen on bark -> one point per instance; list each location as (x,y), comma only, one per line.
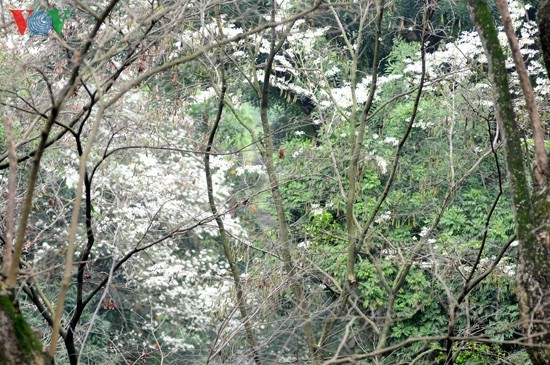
(18,344)
(531,204)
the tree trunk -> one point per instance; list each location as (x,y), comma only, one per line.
(531,206)
(18,343)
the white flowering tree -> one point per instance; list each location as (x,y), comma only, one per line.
(391,247)
(266,182)
(113,214)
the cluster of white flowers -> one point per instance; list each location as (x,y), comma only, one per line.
(424,231)
(420,123)
(458,61)
(138,195)
(383,217)
(304,244)
(190,286)
(251,169)
(379,160)
(298,152)
(391,140)
(204,95)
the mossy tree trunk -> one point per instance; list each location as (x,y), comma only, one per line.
(18,343)
(531,202)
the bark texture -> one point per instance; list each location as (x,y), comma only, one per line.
(531,204)
(18,343)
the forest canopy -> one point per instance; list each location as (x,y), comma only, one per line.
(275,182)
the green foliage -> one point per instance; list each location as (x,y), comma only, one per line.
(313,127)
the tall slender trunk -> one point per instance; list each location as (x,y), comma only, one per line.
(531,206)
(283,229)
(241,299)
(284,237)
